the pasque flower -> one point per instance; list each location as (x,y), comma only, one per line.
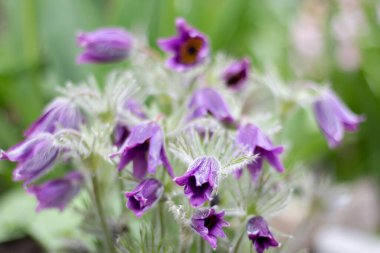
(144,196)
(256,142)
(209,224)
(208,101)
(60,113)
(145,148)
(258,232)
(189,47)
(35,156)
(57,193)
(200,180)
(334,117)
(121,131)
(236,75)
(104,45)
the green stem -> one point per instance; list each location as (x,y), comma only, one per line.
(202,248)
(99,208)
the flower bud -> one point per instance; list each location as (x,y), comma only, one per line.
(34,156)
(57,193)
(334,117)
(144,196)
(104,45)
(60,113)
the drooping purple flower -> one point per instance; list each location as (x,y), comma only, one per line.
(122,131)
(209,224)
(35,156)
(258,232)
(104,45)
(200,180)
(236,75)
(144,196)
(60,113)
(334,117)
(208,101)
(256,142)
(189,47)
(145,148)
(57,193)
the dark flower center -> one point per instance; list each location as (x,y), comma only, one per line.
(197,190)
(135,203)
(235,79)
(189,50)
(211,222)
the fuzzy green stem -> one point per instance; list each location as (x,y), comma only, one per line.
(99,208)
(202,248)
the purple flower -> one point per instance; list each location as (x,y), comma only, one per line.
(145,147)
(209,224)
(208,101)
(35,156)
(121,131)
(334,117)
(252,138)
(60,113)
(144,196)
(236,75)
(189,47)
(57,193)
(104,45)
(259,234)
(200,180)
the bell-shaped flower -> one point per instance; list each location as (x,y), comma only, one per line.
(236,75)
(208,101)
(260,235)
(209,224)
(256,142)
(189,47)
(57,193)
(60,113)
(334,117)
(144,196)
(104,45)
(200,180)
(35,156)
(145,148)
(122,131)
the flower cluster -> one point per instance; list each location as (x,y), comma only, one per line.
(122,133)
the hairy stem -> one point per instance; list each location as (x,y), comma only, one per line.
(99,208)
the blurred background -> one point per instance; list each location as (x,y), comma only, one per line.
(327,41)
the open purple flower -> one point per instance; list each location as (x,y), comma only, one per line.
(122,131)
(209,224)
(145,148)
(208,101)
(104,45)
(144,196)
(334,117)
(189,47)
(57,193)
(258,232)
(256,142)
(200,180)
(60,113)
(236,75)
(35,156)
